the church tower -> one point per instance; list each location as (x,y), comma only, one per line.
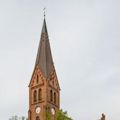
(44,90)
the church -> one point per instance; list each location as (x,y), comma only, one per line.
(44,89)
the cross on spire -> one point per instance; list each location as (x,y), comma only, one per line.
(44,12)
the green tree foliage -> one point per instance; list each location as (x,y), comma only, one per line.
(48,115)
(61,115)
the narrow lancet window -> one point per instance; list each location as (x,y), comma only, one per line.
(40,94)
(54,97)
(37,118)
(35,96)
(37,80)
(51,95)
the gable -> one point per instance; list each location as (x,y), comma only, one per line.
(53,81)
(37,78)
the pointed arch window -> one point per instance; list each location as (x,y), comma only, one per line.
(37,118)
(35,96)
(51,95)
(37,80)
(54,97)
(40,94)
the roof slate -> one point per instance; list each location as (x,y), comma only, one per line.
(44,57)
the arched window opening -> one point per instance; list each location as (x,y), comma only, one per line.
(51,95)
(37,80)
(37,118)
(40,94)
(35,96)
(54,97)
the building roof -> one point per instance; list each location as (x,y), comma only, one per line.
(44,57)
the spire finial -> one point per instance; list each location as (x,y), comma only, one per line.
(44,12)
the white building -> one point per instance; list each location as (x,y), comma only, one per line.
(17,118)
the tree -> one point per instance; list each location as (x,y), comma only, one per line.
(61,115)
(48,115)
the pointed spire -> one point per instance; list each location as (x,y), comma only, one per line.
(44,28)
(44,57)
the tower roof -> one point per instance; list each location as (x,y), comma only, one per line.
(44,57)
(44,28)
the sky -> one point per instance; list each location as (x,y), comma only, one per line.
(85,43)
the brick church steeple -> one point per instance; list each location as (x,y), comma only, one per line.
(44,58)
(44,90)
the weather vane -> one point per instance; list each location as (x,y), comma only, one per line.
(44,12)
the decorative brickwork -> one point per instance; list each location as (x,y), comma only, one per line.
(44,90)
